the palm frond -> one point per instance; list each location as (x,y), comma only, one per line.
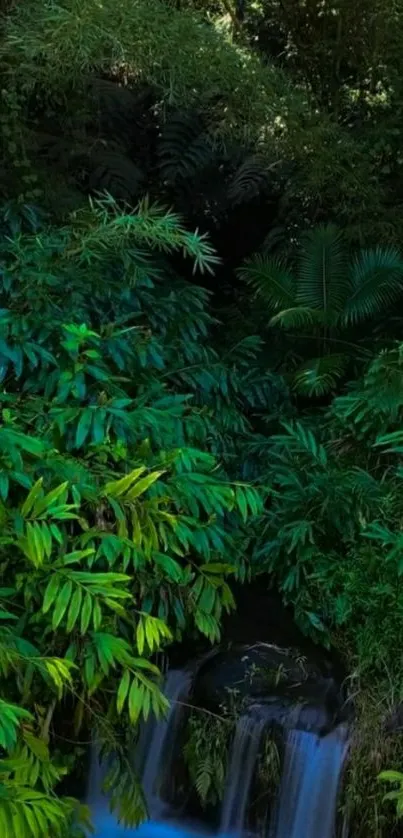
(270,280)
(298,317)
(322,272)
(375,283)
(319,376)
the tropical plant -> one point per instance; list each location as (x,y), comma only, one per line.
(395,777)
(206,754)
(328,297)
(119,526)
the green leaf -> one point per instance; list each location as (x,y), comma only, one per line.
(31,497)
(44,503)
(74,610)
(123,691)
(86,612)
(143,484)
(83,427)
(118,487)
(62,603)
(140,636)
(51,591)
(136,698)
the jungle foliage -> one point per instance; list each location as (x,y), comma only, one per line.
(201,374)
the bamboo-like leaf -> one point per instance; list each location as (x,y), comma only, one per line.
(44,503)
(51,591)
(136,698)
(140,636)
(142,485)
(86,612)
(31,497)
(62,603)
(123,691)
(116,488)
(74,609)
(83,427)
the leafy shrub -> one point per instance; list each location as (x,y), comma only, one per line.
(119,526)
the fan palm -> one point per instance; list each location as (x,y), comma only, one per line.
(329,292)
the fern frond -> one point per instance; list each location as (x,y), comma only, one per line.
(249,180)
(117,106)
(322,282)
(375,283)
(185,147)
(126,794)
(204,778)
(114,172)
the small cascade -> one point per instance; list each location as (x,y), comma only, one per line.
(156,745)
(242,764)
(155,753)
(310,783)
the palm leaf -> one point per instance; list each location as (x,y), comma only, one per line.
(322,282)
(270,281)
(297,317)
(319,376)
(375,283)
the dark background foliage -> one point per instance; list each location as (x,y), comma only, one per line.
(201,295)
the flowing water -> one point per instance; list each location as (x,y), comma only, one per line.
(306,806)
(157,742)
(155,753)
(309,787)
(242,764)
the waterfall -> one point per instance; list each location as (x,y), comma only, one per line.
(309,787)
(156,745)
(306,805)
(243,758)
(153,760)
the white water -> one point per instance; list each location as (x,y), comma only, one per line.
(309,786)
(242,764)
(159,741)
(154,759)
(306,806)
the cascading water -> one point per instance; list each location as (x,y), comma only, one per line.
(156,746)
(243,757)
(310,783)
(155,755)
(306,806)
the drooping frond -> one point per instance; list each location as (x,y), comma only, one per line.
(375,283)
(322,279)
(249,180)
(118,108)
(114,172)
(270,280)
(319,376)
(298,317)
(185,147)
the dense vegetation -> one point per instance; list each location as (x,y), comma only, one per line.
(201,359)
